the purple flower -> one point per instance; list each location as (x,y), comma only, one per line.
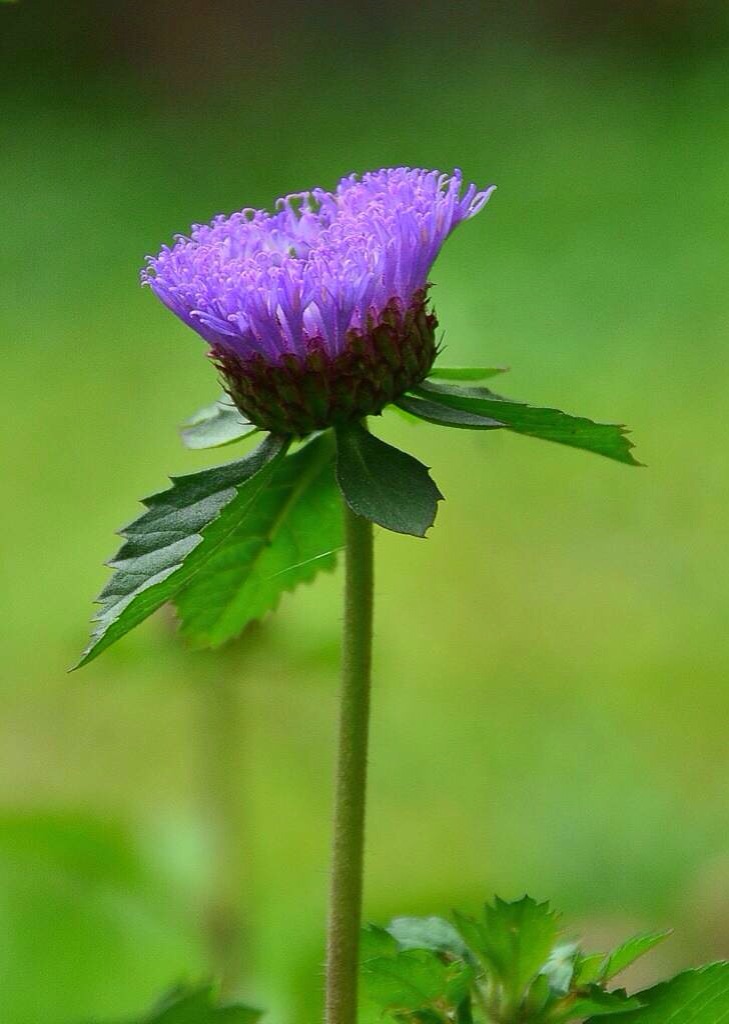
(300,294)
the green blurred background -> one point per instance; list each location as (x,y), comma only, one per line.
(550,708)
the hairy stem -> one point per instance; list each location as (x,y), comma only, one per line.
(345,907)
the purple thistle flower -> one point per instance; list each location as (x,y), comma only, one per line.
(317,314)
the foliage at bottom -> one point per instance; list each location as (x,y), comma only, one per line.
(509,965)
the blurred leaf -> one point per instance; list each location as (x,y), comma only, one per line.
(630,951)
(216,425)
(548,424)
(428,933)
(383,484)
(199,1006)
(444,415)
(403,414)
(595,1002)
(376,942)
(537,998)
(588,968)
(416,981)
(700,996)
(470,931)
(182,529)
(291,530)
(88,924)
(513,942)
(464,1011)
(466,372)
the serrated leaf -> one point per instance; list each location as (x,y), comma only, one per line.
(290,531)
(471,373)
(630,951)
(216,425)
(513,942)
(445,415)
(383,484)
(606,439)
(375,941)
(695,997)
(594,1002)
(416,980)
(173,540)
(428,933)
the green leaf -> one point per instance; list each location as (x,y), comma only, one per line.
(376,942)
(460,976)
(548,424)
(629,952)
(167,546)
(199,1006)
(513,942)
(537,998)
(695,997)
(464,1011)
(216,425)
(444,415)
(383,484)
(87,883)
(588,968)
(466,372)
(290,531)
(428,933)
(416,980)
(471,931)
(403,414)
(594,1002)
(184,1005)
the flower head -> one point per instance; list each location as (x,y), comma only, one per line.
(317,313)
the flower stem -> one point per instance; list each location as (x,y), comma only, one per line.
(345,907)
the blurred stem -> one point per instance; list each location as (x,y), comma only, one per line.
(220,732)
(345,907)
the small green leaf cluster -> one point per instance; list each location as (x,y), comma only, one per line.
(224,544)
(511,965)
